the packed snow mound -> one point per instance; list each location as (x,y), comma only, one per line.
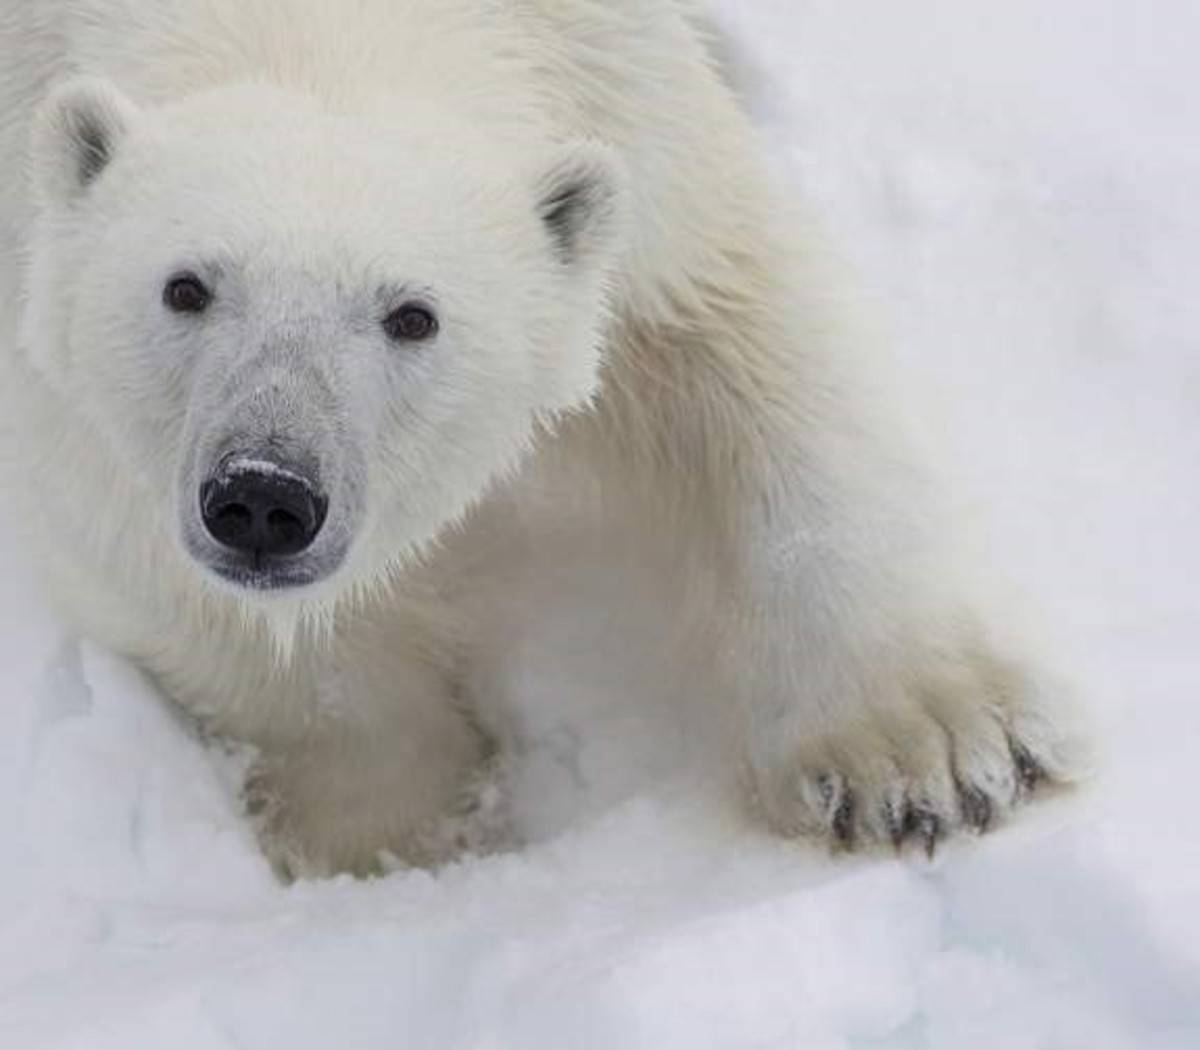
(1016,187)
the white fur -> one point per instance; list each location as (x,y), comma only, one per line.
(682,384)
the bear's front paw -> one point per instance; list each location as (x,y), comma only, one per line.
(298,834)
(315,821)
(925,761)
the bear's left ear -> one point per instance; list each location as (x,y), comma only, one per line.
(76,134)
(579,201)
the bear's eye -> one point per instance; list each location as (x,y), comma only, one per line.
(185,293)
(411,323)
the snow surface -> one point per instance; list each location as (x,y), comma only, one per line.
(1017,187)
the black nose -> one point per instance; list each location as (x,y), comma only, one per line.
(262,509)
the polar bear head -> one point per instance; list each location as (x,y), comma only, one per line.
(312,339)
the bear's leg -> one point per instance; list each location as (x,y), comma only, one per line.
(386,770)
(874,698)
(877,723)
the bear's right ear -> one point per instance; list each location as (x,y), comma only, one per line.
(76,134)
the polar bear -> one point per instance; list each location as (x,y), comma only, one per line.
(334,317)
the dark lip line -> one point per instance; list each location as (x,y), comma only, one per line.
(264,579)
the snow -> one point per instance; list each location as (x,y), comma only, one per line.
(1015,185)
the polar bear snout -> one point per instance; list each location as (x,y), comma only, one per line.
(263,524)
(262,509)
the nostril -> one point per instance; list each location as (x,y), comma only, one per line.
(285,529)
(230,523)
(234,519)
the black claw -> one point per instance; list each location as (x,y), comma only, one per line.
(976,808)
(926,826)
(1029,772)
(843,820)
(827,785)
(896,817)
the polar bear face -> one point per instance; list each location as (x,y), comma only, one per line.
(313,340)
